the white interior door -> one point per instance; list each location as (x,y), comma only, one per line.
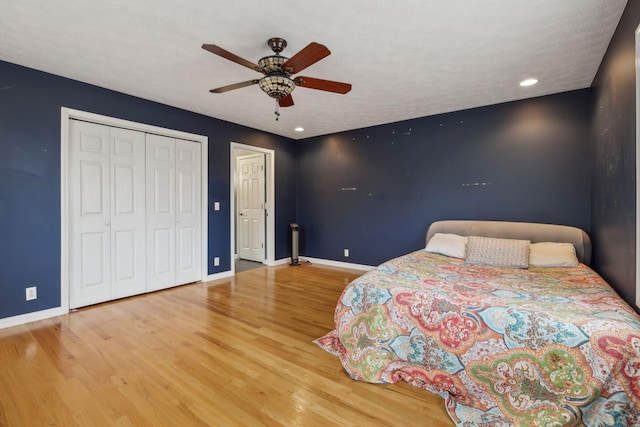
(188,233)
(250,193)
(161,212)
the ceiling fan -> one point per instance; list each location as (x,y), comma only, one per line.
(278,81)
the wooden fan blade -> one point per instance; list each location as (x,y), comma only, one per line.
(234,86)
(230,56)
(311,54)
(320,84)
(287,101)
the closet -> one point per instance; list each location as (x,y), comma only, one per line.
(134,212)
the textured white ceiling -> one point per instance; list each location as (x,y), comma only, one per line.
(405,59)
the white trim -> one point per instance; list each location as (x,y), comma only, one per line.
(66,115)
(340,264)
(637,40)
(250,253)
(204,223)
(270,165)
(34,316)
(64,211)
(327,262)
(218,276)
(126,124)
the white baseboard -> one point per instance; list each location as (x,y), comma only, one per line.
(332,263)
(320,261)
(217,276)
(21,319)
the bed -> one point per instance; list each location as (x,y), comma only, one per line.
(503,346)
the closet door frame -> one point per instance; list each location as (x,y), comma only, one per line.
(67,114)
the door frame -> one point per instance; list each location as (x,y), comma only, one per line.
(263,198)
(637,80)
(67,114)
(269,166)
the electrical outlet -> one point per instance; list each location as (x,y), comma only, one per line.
(216,261)
(346,253)
(31,293)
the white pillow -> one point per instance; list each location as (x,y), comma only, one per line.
(447,244)
(550,254)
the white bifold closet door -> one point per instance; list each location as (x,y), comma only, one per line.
(107,213)
(134,209)
(173,208)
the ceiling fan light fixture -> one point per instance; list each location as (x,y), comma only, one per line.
(271,64)
(277,86)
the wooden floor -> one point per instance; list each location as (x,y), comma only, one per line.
(232,352)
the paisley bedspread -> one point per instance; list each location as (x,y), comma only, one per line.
(503,347)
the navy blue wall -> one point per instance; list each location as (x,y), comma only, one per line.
(30,103)
(376,190)
(614,179)
(371,190)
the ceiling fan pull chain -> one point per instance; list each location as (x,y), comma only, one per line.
(277,112)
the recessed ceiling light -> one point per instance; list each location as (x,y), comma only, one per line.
(528,82)
(299,129)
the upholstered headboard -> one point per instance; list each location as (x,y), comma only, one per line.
(519,230)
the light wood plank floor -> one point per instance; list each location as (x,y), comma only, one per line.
(232,352)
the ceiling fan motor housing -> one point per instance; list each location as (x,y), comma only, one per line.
(277,44)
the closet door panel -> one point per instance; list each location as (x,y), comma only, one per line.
(161,212)
(188,233)
(128,213)
(89,214)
